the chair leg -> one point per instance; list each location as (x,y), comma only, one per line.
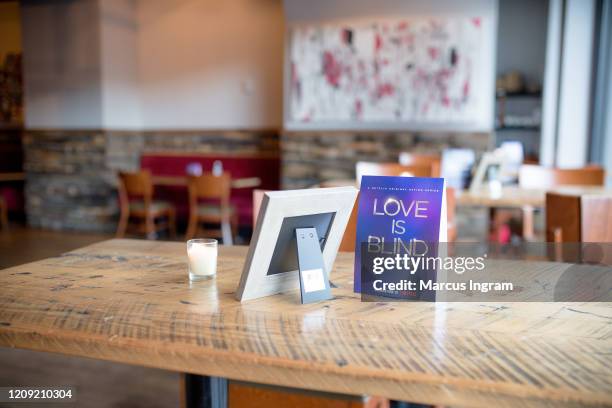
(226,232)
(192,227)
(528,223)
(172,223)
(122,226)
(3,215)
(150,227)
(235,224)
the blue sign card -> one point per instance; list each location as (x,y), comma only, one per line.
(398,215)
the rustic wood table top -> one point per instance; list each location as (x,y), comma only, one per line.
(130,301)
(246,182)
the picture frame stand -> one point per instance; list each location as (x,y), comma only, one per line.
(314,280)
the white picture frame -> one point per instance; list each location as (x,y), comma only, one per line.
(275,207)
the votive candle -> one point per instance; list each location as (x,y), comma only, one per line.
(202,254)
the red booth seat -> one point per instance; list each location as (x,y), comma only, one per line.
(266,167)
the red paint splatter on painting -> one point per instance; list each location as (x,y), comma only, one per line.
(308,116)
(377,43)
(433,52)
(385,89)
(477,21)
(332,69)
(466,89)
(295,81)
(358,108)
(454,60)
(425,108)
(402,25)
(294,76)
(446,101)
(348,72)
(409,40)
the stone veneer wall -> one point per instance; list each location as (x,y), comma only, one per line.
(310,157)
(71,174)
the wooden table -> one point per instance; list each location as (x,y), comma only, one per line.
(130,301)
(527,200)
(246,182)
(518,197)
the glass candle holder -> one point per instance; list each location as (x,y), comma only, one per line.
(202,254)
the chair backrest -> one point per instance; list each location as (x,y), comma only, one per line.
(390,169)
(350,233)
(138,184)
(210,187)
(415,159)
(534,176)
(579,216)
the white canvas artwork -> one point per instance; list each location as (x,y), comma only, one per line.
(422,70)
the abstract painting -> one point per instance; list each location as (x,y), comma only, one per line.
(404,70)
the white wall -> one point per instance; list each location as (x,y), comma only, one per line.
(119,59)
(61,58)
(210,64)
(132,64)
(300,11)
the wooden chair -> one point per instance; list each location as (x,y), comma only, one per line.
(577,216)
(390,169)
(241,394)
(3,214)
(540,177)
(136,201)
(416,159)
(216,208)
